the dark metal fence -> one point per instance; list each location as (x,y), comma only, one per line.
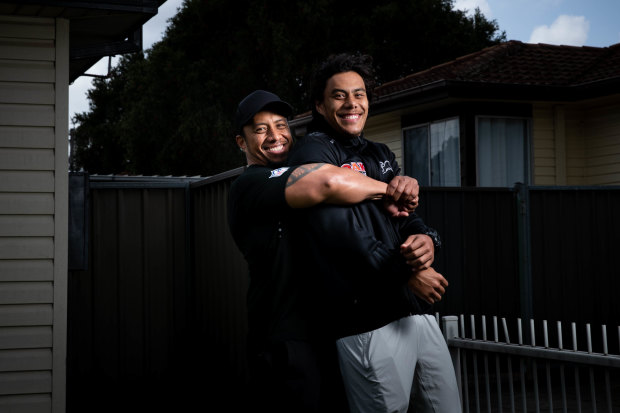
(500,372)
(480,255)
(220,285)
(131,319)
(157,286)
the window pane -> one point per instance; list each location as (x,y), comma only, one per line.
(501,151)
(445,159)
(415,144)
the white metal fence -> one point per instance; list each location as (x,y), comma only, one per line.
(505,368)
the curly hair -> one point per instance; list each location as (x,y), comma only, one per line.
(339,63)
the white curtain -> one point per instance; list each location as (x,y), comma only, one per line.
(501,151)
(445,153)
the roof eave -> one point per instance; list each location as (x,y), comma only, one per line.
(445,89)
(97,29)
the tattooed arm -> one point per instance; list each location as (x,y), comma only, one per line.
(315,183)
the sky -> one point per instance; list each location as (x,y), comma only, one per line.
(561,22)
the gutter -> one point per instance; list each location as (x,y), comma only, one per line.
(144,7)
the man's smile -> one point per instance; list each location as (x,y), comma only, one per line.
(276,148)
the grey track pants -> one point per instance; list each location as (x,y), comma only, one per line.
(407,359)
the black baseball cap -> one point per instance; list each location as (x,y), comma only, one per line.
(257,101)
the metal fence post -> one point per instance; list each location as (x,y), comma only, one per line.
(450,329)
(525,264)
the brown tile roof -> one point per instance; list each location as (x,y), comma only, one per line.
(516,63)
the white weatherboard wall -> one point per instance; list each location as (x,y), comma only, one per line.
(34,83)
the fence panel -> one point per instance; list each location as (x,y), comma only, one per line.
(220,287)
(575,271)
(129,321)
(498,372)
(479,256)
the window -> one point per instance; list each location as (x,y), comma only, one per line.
(502,151)
(431,153)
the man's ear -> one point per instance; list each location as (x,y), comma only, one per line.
(320,108)
(241,142)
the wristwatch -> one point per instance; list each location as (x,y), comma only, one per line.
(431,232)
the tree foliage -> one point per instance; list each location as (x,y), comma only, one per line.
(170,112)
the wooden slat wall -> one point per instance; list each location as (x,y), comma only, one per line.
(602,129)
(577,144)
(387,129)
(543,148)
(28,110)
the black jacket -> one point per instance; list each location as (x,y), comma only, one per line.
(258,218)
(350,255)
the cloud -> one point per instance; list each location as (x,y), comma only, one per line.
(471,5)
(565,30)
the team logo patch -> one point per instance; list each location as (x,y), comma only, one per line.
(356,166)
(278,172)
(386,166)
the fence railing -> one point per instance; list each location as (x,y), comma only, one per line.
(499,374)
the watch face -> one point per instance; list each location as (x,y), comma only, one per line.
(434,236)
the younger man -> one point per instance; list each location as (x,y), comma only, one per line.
(387,346)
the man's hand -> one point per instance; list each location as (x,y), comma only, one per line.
(402,195)
(428,284)
(419,251)
(395,209)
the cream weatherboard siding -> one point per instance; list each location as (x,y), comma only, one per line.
(34,82)
(577,143)
(386,128)
(601,129)
(543,145)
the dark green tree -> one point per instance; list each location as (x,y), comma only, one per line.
(97,144)
(170,112)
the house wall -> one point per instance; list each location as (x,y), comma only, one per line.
(577,143)
(575,147)
(386,128)
(543,145)
(601,132)
(573,144)
(34,66)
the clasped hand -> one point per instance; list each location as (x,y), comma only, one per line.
(402,196)
(426,283)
